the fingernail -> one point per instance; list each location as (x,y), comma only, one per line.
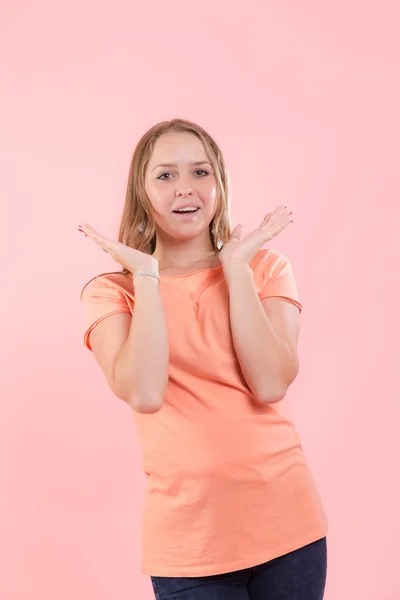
(290,213)
(82,231)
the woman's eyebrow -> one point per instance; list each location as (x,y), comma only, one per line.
(197,163)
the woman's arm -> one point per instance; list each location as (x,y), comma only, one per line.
(265,334)
(133,352)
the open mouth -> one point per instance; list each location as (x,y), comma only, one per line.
(186,211)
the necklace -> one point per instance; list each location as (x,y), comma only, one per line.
(214,256)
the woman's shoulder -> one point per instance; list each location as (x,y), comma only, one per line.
(269,265)
(114,279)
(268,260)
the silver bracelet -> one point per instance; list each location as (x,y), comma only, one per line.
(152,273)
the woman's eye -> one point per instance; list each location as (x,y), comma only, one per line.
(161,177)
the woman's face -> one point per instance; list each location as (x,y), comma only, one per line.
(179,173)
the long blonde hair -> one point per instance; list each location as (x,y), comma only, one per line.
(137,228)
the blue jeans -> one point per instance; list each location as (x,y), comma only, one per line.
(299,575)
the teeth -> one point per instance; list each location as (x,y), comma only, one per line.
(187,209)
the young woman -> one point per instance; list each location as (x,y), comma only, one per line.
(198,334)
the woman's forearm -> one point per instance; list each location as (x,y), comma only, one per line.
(142,365)
(265,359)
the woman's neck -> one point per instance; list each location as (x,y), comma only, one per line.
(183,255)
(184,262)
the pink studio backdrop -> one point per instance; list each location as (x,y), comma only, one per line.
(303,98)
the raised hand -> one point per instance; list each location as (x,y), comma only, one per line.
(129,258)
(238,250)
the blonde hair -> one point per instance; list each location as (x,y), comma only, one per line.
(137,228)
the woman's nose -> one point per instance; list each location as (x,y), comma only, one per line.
(183,189)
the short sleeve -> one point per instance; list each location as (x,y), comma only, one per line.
(278,278)
(101,299)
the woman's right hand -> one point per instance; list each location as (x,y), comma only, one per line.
(129,258)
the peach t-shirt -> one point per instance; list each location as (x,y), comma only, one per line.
(228,485)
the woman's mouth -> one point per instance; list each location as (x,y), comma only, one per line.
(186,215)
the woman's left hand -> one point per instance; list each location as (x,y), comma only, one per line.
(237,250)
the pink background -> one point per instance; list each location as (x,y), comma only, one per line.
(304,101)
